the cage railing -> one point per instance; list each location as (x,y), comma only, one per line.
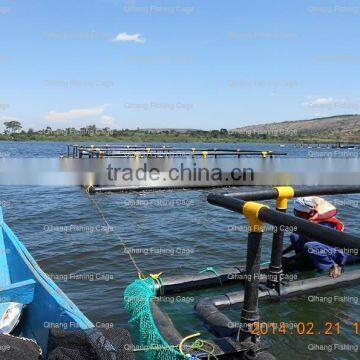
(257,214)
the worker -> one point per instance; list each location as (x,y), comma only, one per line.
(311,253)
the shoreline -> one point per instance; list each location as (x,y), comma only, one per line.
(172,139)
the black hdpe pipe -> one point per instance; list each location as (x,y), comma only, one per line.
(250,310)
(95,154)
(95,189)
(209,308)
(165,325)
(272,194)
(224,348)
(169,149)
(121,147)
(181,283)
(344,241)
(275,268)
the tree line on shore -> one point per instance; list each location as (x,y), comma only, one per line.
(14,130)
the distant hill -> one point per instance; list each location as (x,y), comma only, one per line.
(335,128)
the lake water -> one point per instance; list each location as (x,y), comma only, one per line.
(62,229)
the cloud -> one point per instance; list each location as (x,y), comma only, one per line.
(107,120)
(74,114)
(125,37)
(324,102)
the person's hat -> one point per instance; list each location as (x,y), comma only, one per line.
(314,208)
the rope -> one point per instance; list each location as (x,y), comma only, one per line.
(141,275)
(184,340)
(211,269)
(157,278)
(197,345)
(122,243)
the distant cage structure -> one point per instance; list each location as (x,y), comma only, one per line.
(159,151)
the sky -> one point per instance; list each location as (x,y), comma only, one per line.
(202,64)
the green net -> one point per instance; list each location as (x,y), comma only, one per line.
(137,297)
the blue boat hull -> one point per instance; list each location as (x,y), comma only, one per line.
(23,281)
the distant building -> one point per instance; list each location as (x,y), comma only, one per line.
(167,130)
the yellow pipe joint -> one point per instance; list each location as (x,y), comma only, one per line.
(251,211)
(284,194)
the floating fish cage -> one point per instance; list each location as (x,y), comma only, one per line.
(160,339)
(167,161)
(30,300)
(158,151)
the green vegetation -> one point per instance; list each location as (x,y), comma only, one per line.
(91,133)
(257,133)
(94,134)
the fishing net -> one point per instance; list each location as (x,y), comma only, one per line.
(15,348)
(90,344)
(138,297)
